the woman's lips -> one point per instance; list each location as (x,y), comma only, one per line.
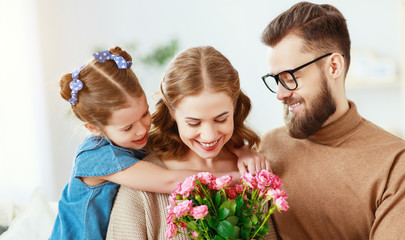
(208,146)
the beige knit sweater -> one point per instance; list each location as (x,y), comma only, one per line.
(142,215)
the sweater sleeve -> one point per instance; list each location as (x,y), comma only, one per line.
(389,217)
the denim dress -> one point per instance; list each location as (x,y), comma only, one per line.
(84,211)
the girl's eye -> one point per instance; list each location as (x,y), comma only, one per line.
(146,114)
(128,128)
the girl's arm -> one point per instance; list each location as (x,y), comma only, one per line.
(146,176)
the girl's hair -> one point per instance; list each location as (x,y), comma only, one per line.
(191,72)
(322,27)
(106,88)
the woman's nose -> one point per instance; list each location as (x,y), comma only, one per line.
(208,133)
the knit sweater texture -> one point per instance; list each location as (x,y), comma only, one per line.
(142,215)
(347,181)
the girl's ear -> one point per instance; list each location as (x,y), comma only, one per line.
(93,129)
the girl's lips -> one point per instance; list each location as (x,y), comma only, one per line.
(142,140)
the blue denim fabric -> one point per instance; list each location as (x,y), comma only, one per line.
(84,211)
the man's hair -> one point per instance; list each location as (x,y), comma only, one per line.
(321,26)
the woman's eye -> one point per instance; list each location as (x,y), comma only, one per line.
(193,124)
(221,120)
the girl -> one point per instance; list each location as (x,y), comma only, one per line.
(106,95)
(202,111)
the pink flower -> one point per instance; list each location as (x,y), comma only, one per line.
(194,234)
(171,230)
(187,186)
(249,180)
(222,182)
(232,193)
(264,179)
(281,203)
(239,188)
(279,198)
(277,183)
(199,211)
(170,216)
(205,177)
(182,208)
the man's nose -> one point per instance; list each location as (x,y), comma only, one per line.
(283,93)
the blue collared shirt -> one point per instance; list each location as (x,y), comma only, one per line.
(83,210)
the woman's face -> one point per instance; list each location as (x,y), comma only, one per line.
(205,122)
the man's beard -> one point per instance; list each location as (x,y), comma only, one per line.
(316,113)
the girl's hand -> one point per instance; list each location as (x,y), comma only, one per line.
(249,160)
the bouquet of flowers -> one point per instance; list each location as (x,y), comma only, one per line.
(207,207)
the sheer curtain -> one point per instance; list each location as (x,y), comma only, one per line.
(25,159)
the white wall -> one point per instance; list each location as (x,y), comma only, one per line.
(69,31)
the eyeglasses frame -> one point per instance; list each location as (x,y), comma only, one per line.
(291,72)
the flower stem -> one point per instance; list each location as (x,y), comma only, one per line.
(271,210)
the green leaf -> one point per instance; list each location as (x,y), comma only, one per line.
(192,225)
(213,222)
(231,205)
(223,213)
(248,225)
(217,237)
(239,203)
(233,220)
(244,233)
(236,229)
(206,202)
(217,199)
(198,199)
(265,229)
(254,219)
(225,229)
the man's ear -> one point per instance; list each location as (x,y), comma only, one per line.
(93,129)
(336,66)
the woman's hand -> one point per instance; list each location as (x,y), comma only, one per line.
(249,160)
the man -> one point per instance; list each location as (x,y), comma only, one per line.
(345,176)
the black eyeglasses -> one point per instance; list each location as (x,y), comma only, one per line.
(286,78)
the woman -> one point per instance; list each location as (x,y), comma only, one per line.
(202,111)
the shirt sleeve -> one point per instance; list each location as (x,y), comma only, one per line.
(389,217)
(103,161)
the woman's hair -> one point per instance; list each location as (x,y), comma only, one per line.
(322,27)
(106,88)
(191,72)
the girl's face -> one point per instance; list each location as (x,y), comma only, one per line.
(128,127)
(205,122)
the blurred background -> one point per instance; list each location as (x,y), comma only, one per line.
(43,39)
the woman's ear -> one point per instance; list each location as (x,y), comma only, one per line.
(336,65)
(93,129)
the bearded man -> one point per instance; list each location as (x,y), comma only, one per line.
(345,176)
